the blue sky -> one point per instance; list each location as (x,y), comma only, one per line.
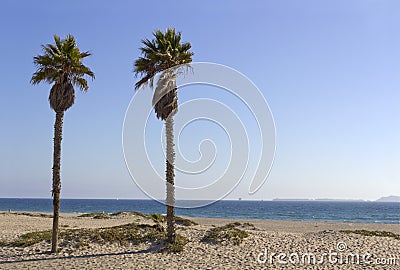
(330,71)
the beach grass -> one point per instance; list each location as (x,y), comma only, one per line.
(178,220)
(132,233)
(157,218)
(228,233)
(117,214)
(373,233)
(177,246)
(96,215)
(33,214)
(28,239)
(184,221)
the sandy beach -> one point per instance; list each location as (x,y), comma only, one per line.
(268,245)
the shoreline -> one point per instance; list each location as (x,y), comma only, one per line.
(292,226)
(326,211)
(325,225)
(296,226)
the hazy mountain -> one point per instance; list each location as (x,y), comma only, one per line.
(389,199)
(289,200)
(382,199)
(321,200)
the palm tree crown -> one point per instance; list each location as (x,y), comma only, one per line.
(164,51)
(61,64)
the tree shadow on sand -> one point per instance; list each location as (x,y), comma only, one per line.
(154,248)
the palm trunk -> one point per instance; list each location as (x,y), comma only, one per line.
(169,132)
(56,178)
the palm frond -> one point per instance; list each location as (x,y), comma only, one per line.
(84,54)
(81,83)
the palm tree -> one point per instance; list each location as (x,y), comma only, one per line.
(60,65)
(160,54)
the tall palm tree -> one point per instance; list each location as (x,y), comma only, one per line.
(60,65)
(160,54)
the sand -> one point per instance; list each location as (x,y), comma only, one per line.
(270,245)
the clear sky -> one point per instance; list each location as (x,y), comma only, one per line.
(330,71)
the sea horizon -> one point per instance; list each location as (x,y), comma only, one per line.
(238,199)
(312,210)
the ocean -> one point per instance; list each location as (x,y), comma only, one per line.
(368,212)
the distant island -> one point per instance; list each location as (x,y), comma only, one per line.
(290,200)
(389,199)
(319,200)
(382,199)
